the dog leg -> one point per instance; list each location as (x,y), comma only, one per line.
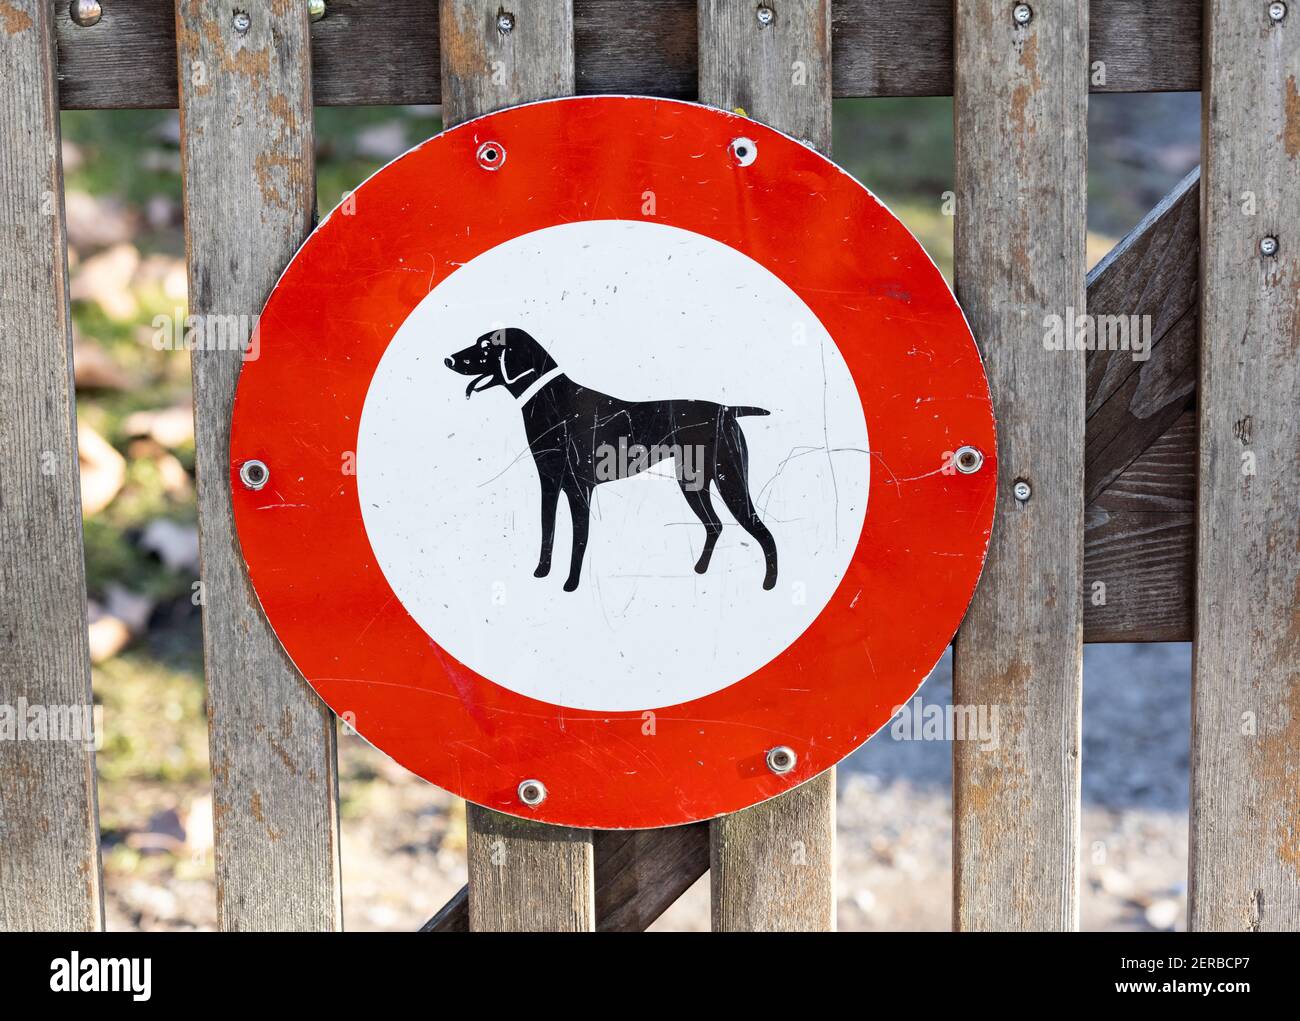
(550,497)
(732,479)
(580,512)
(697,497)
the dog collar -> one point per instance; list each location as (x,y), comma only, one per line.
(537,384)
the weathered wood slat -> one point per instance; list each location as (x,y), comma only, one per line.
(1145,47)
(1151,276)
(639,875)
(637,47)
(905,47)
(527,876)
(1245,826)
(1140,437)
(49,832)
(487,67)
(452,916)
(246,147)
(1139,544)
(1021,144)
(779,73)
(522,875)
(773,865)
(365,53)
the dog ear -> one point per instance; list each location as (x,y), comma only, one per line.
(527,350)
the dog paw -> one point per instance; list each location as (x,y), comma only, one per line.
(571,585)
(701,567)
(542,571)
(769,582)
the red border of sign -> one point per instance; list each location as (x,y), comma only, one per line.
(334,311)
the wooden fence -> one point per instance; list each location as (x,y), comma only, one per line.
(1174,483)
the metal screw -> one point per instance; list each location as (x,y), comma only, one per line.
(1268,247)
(1022,490)
(765,15)
(505,22)
(532,793)
(316,9)
(744,150)
(491,155)
(85,12)
(781,759)
(253,474)
(1023,14)
(242,22)
(968,460)
(1277,11)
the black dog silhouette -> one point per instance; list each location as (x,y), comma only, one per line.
(580,438)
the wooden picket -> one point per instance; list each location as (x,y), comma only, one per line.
(1245,838)
(1110,454)
(49,826)
(250,195)
(1140,438)
(1019,256)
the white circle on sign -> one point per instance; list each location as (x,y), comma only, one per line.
(450,493)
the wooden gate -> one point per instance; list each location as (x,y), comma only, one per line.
(1172,483)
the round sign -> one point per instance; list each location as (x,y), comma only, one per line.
(613,462)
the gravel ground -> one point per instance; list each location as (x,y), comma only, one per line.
(895,851)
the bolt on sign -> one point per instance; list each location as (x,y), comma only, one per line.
(613,462)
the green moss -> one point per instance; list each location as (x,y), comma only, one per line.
(154,725)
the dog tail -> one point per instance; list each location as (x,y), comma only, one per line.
(741,411)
